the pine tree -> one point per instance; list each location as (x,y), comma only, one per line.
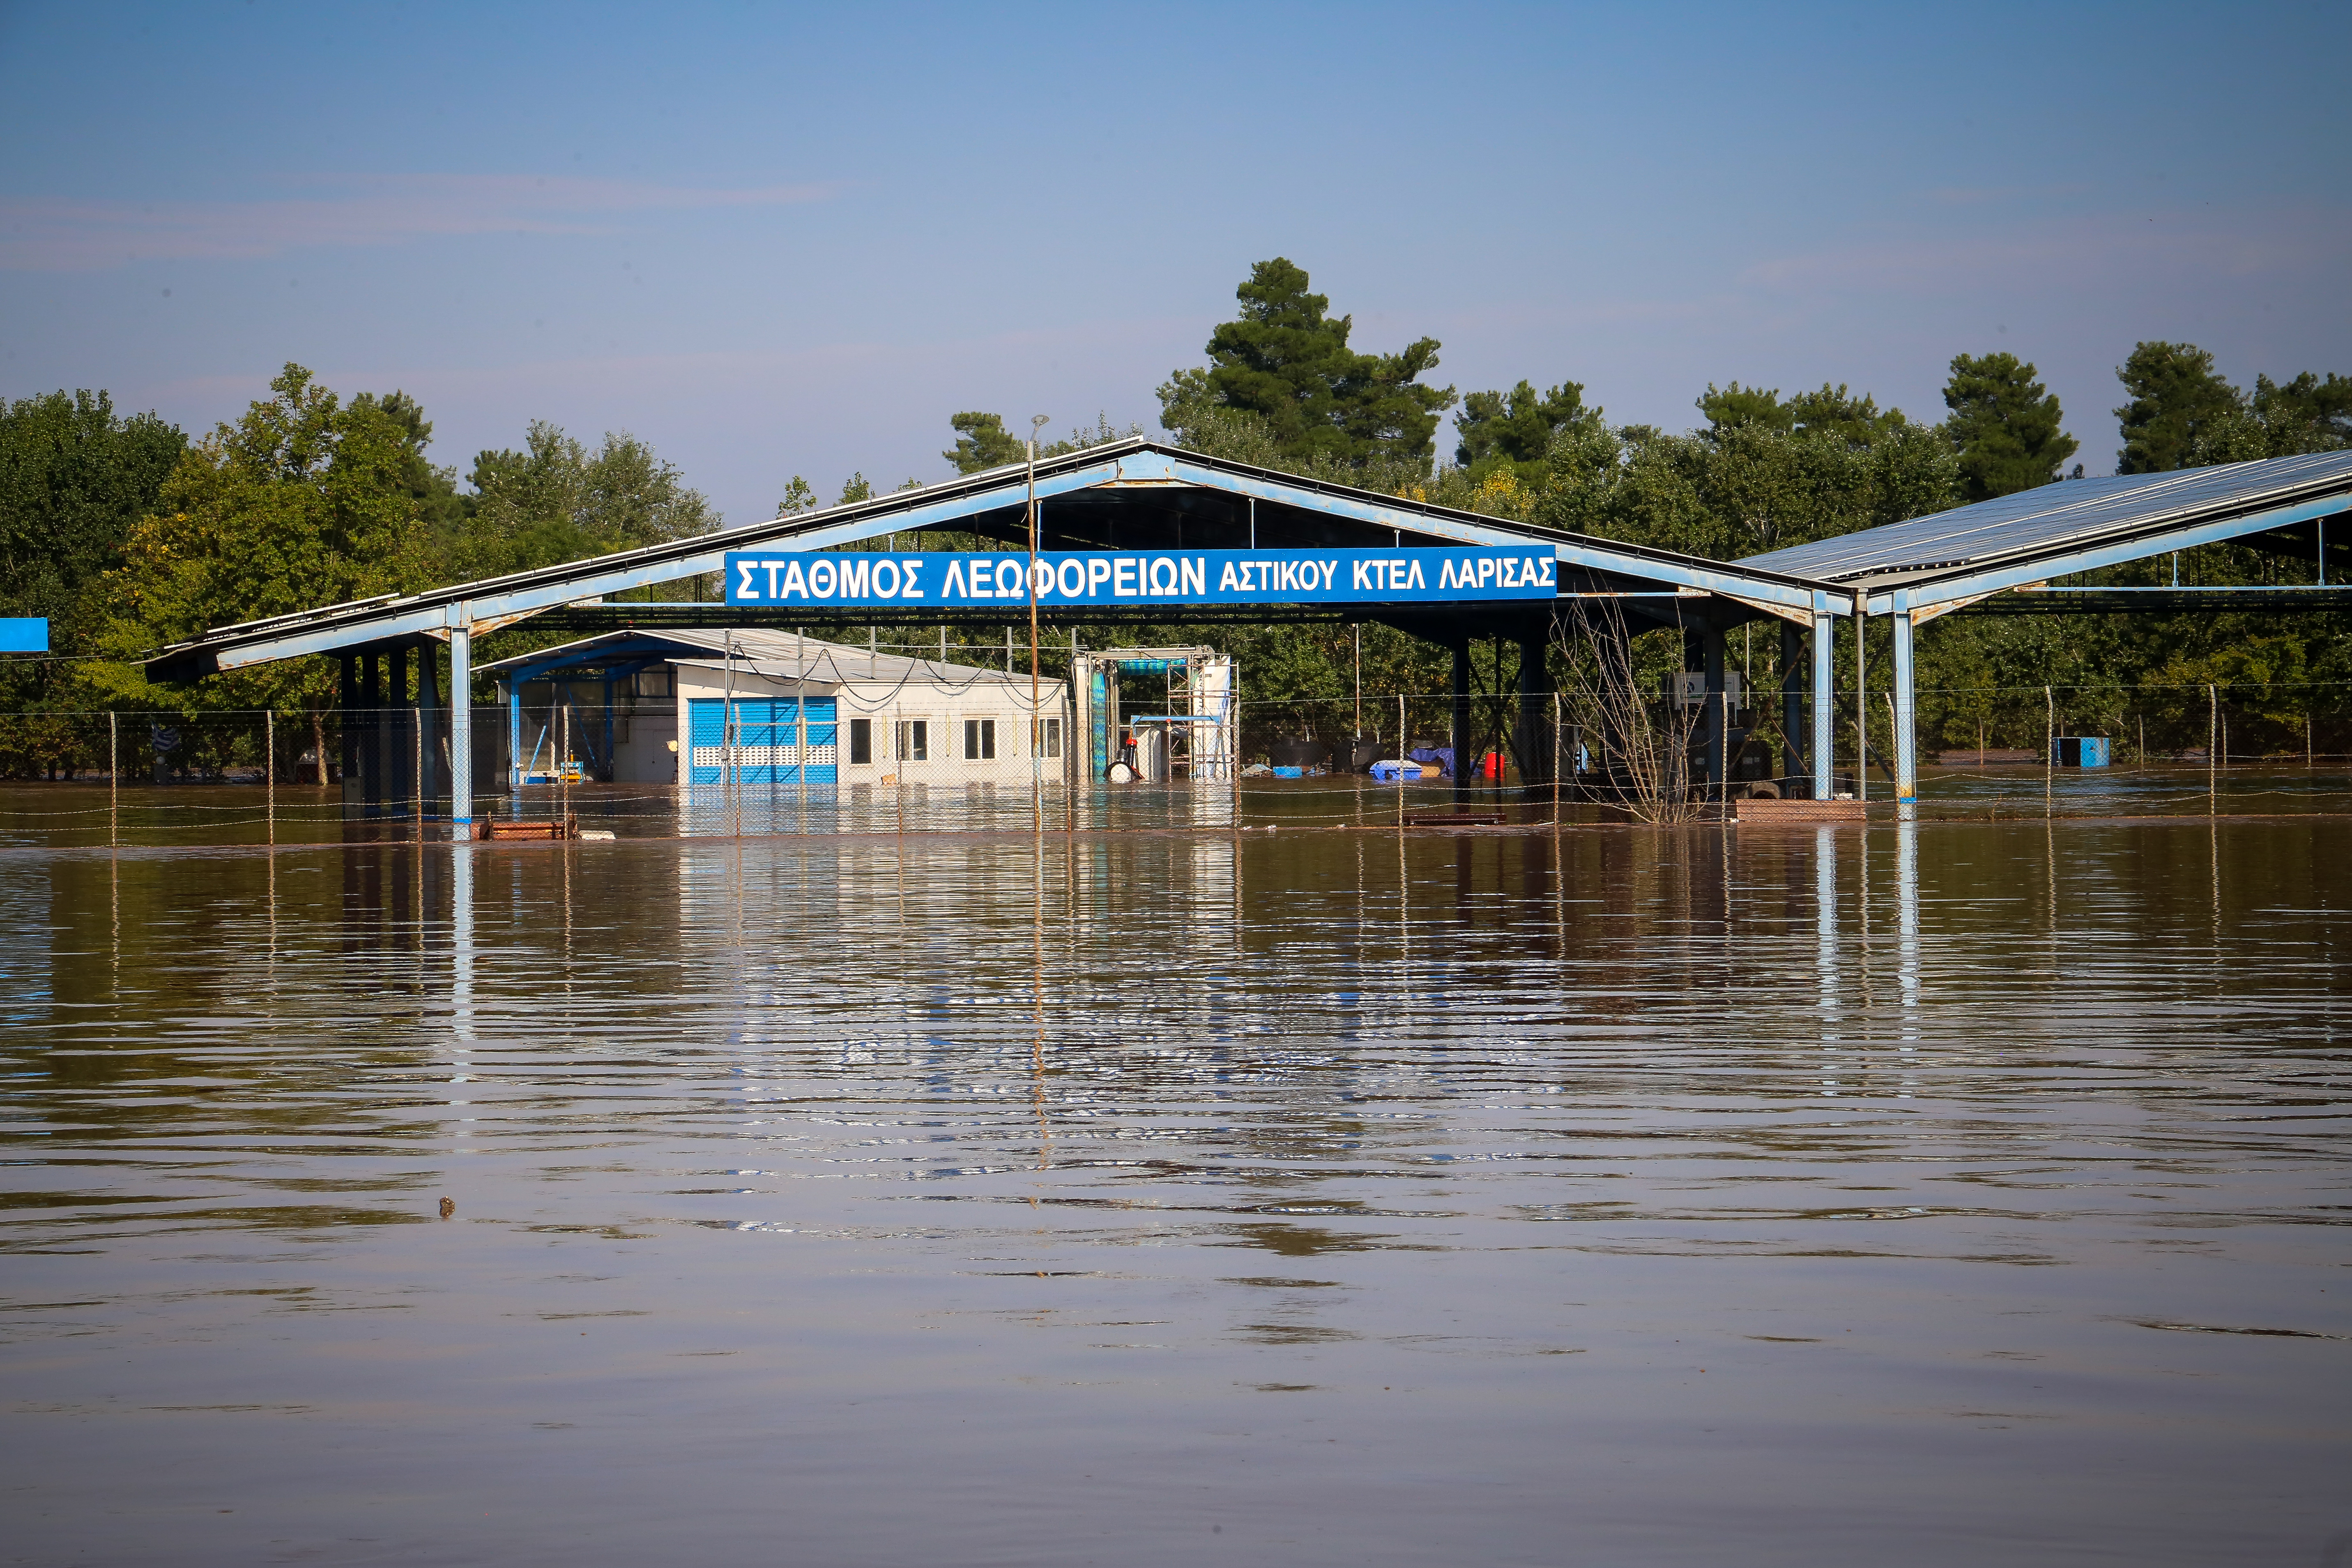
(1515,429)
(982,442)
(1286,358)
(2175,395)
(2008,427)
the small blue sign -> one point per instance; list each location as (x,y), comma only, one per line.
(24,634)
(973,579)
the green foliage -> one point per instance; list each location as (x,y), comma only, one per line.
(1746,485)
(982,442)
(2007,425)
(1285,360)
(304,501)
(1832,410)
(855,488)
(2308,414)
(73,478)
(554,502)
(2175,398)
(799,497)
(1517,429)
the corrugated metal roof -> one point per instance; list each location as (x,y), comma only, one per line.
(769,652)
(2062,517)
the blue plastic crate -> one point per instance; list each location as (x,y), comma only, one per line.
(2082,751)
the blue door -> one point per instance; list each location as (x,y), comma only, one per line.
(767,749)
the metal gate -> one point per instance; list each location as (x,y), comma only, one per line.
(767,740)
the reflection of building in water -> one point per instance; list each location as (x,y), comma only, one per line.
(755,707)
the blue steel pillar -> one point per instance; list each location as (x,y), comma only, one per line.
(1792,708)
(461,732)
(1825,699)
(1906,743)
(514,733)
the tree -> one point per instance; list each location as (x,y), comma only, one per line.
(1286,358)
(554,502)
(2306,414)
(2175,397)
(73,478)
(1832,411)
(982,442)
(800,496)
(2007,426)
(1516,429)
(303,501)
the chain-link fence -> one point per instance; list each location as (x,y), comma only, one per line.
(1373,760)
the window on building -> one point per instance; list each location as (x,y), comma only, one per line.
(861,739)
(1048,741)
(978,740)
(914,741)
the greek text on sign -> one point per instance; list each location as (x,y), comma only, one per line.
(964,579)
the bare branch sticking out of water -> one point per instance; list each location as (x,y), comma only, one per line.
(1642,760)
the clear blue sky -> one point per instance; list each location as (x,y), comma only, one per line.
(778,240)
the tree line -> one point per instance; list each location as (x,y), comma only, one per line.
(1283,389)
(128,534)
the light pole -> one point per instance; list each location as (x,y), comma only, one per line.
(1037,716)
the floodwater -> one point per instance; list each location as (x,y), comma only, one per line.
(1961,1192)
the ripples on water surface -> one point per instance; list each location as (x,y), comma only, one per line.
(1968,1194)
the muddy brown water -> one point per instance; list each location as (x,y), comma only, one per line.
(1968,1192)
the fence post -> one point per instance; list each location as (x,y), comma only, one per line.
(2212,746)
(113,783)
(2049,749)
(269,770)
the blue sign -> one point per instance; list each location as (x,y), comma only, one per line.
(24,634)
(973,579)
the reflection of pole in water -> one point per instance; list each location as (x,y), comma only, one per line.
(1825,941)
(1037,997)
(461,942)
(1906,915)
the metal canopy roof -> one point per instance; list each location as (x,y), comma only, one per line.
(1131,494)
(2074,525)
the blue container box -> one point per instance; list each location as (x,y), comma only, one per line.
(2082,752)
(1388,771)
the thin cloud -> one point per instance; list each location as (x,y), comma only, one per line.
(54,233)
(2212,245)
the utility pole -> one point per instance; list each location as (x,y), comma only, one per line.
(1036,715)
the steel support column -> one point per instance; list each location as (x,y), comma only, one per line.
(1717,725)
(612,773)
(1824,704)
(1460,739)
(1794,769)
(1535,712)
(461,732)
(371,728)
(399,752)
(1907,741)
(514,733)
(428,723)
(347,726)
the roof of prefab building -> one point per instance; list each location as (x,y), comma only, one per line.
(778,655)
(2045,527)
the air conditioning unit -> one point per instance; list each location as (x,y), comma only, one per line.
(1690,688)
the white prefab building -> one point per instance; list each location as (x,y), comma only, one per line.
(755,706)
